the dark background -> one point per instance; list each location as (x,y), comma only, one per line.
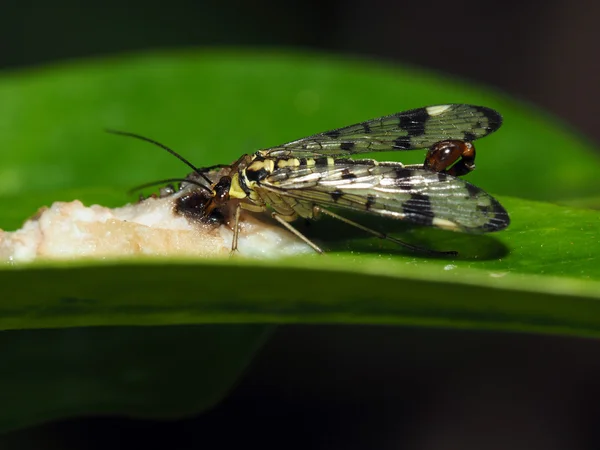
(364,387)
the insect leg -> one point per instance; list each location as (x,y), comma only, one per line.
(236,222)
(318,209)
(290,228)
(236,229)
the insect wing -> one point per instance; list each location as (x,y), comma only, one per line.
(416,195)
(414,129)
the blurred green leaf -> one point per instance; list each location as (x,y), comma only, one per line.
(214,106)
(539,276)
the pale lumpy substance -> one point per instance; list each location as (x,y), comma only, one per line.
(71,230)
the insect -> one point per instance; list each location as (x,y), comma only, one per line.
(306,177)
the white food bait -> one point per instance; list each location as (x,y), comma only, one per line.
(154,226)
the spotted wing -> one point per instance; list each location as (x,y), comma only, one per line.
(416,195)
(417,128)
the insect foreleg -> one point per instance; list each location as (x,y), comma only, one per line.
(236,221)
(318,209)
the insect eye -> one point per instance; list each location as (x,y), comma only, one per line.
(221,190)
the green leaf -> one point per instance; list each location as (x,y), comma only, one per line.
(214,106)
(541,275)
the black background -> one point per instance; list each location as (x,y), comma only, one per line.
(364,387)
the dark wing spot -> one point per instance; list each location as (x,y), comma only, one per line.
(402,143)
(371,199)
(322,161)
(442,176)
(403,179)
(403,172)
(303,161)
(418,210)
(336,195)
(333,134)
(414,123)
(468,136)
(500,219)
(347,175)
(347,146)
(366,127)
(473,191)
(493,117)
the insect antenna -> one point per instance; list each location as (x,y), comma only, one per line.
(199,171)
(168,180)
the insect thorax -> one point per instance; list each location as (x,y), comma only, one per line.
(246,184)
